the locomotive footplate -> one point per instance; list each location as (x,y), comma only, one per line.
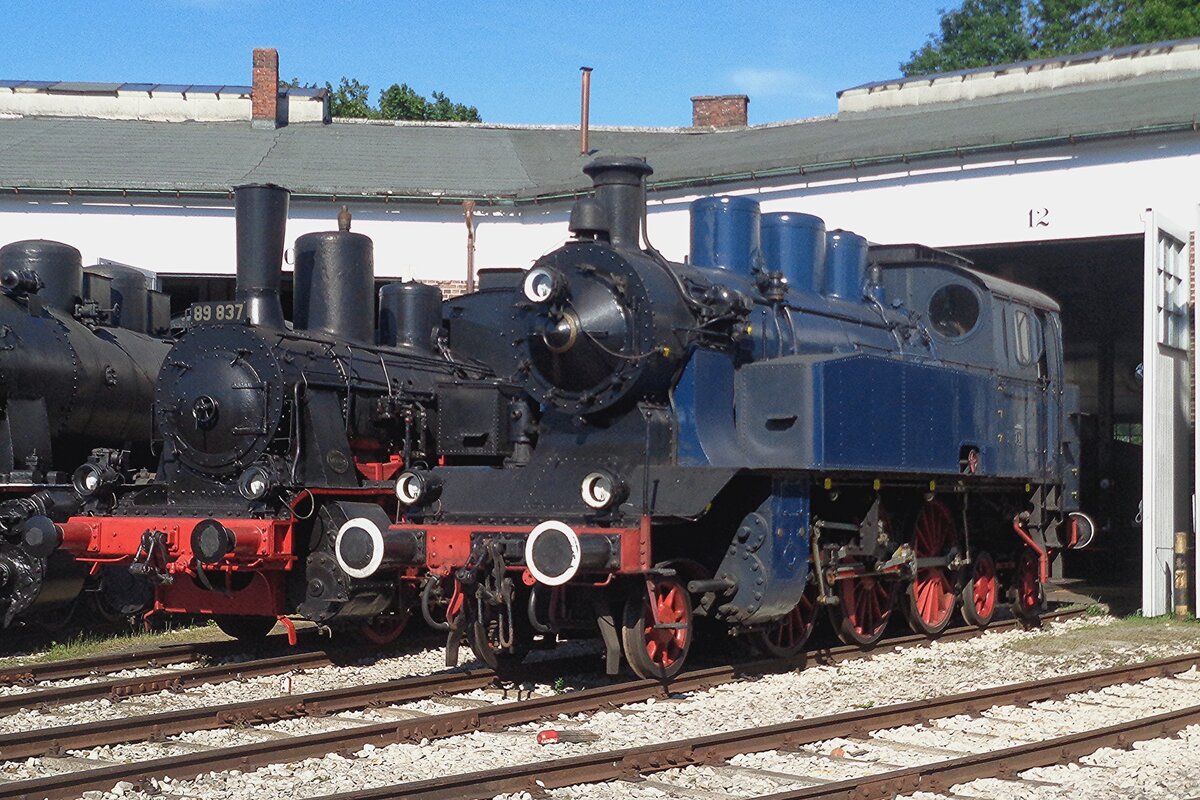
(201,566)
(187,544)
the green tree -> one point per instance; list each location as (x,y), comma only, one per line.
(985,32)
(401,101)
(350,99)
(979,33)
(443,109)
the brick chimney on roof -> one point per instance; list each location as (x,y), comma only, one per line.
(720,111)
(264,95)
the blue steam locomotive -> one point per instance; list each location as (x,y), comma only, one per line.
(792,420)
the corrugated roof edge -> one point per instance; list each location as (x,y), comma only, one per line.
(514,126)
(1078,58)
(85,87)
(501,126)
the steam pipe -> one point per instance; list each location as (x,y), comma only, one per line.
(585,103)
(261,212)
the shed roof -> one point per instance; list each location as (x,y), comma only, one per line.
(520,164)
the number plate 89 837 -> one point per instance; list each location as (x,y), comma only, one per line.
(201,313)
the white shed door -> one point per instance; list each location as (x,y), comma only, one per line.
(1166,428)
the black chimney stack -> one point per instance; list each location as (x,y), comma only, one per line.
(261,211)
(620,184)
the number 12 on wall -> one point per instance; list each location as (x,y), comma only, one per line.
(1039,218)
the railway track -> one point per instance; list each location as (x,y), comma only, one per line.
(491,717)
(716,749)
(173,681)
(52,741)
(162,655)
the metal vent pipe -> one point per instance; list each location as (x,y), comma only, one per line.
(585,103)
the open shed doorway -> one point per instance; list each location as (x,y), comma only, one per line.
(1098,284)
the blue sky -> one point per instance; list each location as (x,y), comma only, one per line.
(517,61)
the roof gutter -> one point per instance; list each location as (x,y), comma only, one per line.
(216,194)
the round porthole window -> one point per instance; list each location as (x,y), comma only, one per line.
(954,310)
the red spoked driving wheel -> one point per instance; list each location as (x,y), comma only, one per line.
(658,629)
(980,593)
(865,604)
(787,636)
(1027,586)
(385,629)
(931,595)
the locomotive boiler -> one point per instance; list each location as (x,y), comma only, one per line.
(790,420)
(79,349)
(281,441)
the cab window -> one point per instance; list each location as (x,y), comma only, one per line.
(1027,340)
(954,310)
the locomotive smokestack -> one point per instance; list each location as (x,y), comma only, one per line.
(261,212)
(620,184)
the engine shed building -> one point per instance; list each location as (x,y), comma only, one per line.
(1076,175)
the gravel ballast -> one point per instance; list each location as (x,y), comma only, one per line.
(942,668)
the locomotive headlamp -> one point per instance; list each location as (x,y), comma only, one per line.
(555,552)
(602,489)
(543,285)
(418,487)
(92,479)
(255,482)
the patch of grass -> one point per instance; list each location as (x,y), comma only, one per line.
(560,685)
(1097,610)
(84,644)
(920,660)
(1126,634)
(868,704)
(1166,619)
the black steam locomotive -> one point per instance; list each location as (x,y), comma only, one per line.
(280,438)
(610,441)
(79,349)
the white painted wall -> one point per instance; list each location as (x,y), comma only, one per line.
(158,105)
(196,238)
(1077,192)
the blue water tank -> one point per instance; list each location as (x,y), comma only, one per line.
(845,265)
(794,244)
(726,233)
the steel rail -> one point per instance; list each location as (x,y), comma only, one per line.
(939,776)
(717,748)
(496,717)
(116,688)
(153,727)
(56,740)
